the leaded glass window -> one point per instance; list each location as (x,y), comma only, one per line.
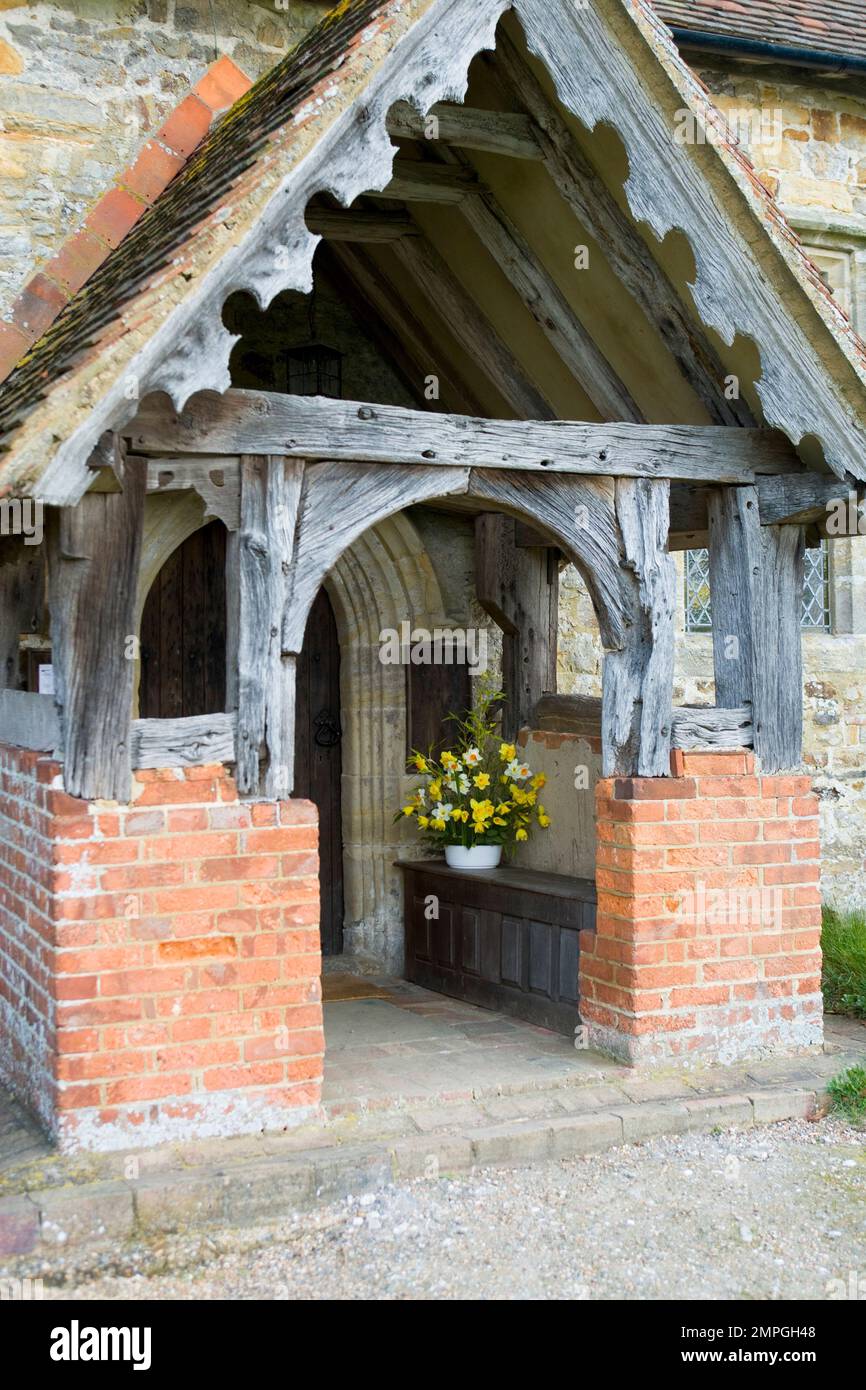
(816,590)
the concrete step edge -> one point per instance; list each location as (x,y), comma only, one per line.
(255,1191)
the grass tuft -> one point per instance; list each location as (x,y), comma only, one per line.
(843,942)
(848,1093)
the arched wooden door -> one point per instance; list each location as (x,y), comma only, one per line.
(183,631)
(318,758)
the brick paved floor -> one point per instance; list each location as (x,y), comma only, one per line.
(415,1045)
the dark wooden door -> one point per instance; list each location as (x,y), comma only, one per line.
(183,631)
(318,758)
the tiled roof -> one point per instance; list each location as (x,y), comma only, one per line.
(106,225)
(829,26)
(229,148)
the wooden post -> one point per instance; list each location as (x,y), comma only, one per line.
(519,588)
(756,575)
(21,602)
(270,496)
(94,551)
(637,692)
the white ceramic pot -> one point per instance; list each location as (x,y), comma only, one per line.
(476,857)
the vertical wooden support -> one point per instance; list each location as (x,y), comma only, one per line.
(21,602)
(270,495)
(233,617)
(519,588)
(94,552)
(637,694)
(756,576)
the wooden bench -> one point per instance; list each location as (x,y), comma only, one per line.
(506,939)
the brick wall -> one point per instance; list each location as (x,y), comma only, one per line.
(159,962)
(709,920)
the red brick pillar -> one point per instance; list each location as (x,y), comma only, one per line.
(709,915)
(159,962)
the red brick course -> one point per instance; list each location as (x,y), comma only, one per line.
(709,914)
(159,967)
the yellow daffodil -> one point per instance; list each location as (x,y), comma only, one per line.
(423,821)
(436,790)
(420,762)
(521,835)
(437,825)
(482,780)
(480,827)
(544,821)
(497,820)
(449,761)
(539,781)
(507,752)
(408,810)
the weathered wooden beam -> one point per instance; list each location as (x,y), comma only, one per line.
(798,499)
(756,575)
(339,502)
(637,681)
(203,738)
(318,428)
(519,588)
(417,181)
(548,306)
(468,323)
(29,721)
(622,245)
(216,480)
(22,585)
(110,453)
(693,726)
(357,225)
(93,561)
(270,497)
(494,132)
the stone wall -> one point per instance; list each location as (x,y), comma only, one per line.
(159,962)
(84,82)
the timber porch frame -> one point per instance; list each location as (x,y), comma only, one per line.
(298,480)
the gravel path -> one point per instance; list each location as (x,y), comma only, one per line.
(769,1213)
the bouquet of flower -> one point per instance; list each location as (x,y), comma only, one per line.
(478,793)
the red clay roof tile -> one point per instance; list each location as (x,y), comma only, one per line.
(833,26)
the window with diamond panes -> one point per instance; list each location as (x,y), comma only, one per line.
(816,590)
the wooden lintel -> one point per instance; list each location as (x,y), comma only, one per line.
(318,428)
(495,132)
(215,479)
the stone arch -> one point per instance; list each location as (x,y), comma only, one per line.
(385,577)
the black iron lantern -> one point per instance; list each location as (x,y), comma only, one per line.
(314,369)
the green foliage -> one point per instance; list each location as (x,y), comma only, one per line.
(843,942)
(848,1093)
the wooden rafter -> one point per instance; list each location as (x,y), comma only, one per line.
(447,297)
(622,245)
(494,132)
